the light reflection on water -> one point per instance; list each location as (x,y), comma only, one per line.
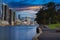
(17,33)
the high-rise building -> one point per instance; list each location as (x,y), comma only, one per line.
(5,12)
(14,16)
(8,15)
(11,17)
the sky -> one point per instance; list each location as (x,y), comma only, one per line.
(27,7)
(21,3)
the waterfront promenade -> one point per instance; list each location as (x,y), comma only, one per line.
(48,34)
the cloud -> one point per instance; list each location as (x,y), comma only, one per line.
(27,13)
(35,8)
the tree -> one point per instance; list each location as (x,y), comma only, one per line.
(52,11)
(39,17)
(58,15)
(45,15)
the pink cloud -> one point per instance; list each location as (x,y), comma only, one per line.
(29,8)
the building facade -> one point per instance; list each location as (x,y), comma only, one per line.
(8,15)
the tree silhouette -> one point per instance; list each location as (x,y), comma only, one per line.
(47,14)
(52,11)
(58,14)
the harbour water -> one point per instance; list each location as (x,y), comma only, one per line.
(17,32)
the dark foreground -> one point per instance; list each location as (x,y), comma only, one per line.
(49,36)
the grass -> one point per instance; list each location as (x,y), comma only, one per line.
(53,26)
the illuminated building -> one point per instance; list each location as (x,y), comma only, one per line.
(11,17)
(14,16)
(5,12)
(8,15)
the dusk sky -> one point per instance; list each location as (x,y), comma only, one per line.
(27,7)
(19,3)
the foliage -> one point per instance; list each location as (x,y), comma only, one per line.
(48,14)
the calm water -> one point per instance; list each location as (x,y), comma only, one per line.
(17,32)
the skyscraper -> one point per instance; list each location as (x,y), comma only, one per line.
(14,17)
(8,15)
(5,12)
(11,17)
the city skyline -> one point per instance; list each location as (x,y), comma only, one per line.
(27,7)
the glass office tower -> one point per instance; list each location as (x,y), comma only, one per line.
(5,12)
(11,17)
(14,16)
(8,14)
